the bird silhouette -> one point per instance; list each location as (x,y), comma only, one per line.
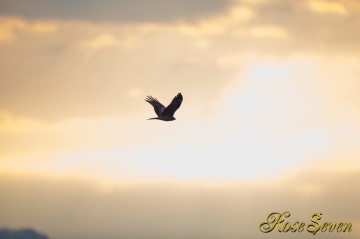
(165,113)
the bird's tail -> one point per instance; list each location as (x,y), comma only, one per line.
(153,118)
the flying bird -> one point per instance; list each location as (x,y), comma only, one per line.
(165,113)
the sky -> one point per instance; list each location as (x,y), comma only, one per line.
(271,110)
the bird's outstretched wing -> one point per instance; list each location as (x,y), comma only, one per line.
(173,106)
(158,107)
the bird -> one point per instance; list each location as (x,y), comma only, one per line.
(165,113)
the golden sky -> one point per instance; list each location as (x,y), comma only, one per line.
(270,96)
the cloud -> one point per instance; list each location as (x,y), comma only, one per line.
(26,139)
(97,64)
(66,73)
(235,21)
(294,108)
(11,124)
(90,209)
(263,32)
(101,41)
(10,25)
(312,31)
(275,81)
(325,6)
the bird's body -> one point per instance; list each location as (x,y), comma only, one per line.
(165,113)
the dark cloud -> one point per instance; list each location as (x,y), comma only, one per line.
(112,10)
(324,33)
